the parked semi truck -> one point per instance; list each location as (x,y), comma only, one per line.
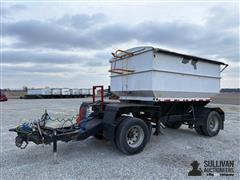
(156,88)
(66,91)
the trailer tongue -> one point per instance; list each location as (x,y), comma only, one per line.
(146,102)
(39,132)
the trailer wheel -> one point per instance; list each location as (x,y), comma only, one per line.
(132,135)
(199,130)
(212,126)
(172,125)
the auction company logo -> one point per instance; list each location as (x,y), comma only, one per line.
(212,168)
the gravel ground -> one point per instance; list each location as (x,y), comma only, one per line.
(227,98)
(167,156)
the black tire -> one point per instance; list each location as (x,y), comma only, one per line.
(119,120)
(172,125)
(125,135)
(212,126)
(199,129)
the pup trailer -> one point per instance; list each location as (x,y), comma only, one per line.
(156,89)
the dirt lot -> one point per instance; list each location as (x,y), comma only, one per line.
(167,156)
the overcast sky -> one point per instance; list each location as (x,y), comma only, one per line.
(69,44)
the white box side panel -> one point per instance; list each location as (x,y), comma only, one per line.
(141,62)
(175,64)
(165,85)
(184,83)
(166,76)
(133,82)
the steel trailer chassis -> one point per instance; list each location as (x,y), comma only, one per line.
(128,125)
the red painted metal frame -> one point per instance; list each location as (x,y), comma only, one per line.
(102,95)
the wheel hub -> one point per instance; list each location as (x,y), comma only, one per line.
(135,136)
(213,124)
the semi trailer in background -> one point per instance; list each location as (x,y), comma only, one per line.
(34,91)
(39,92)
(58,93)
(66,92)
(85,92)
(46,91)
(75,91)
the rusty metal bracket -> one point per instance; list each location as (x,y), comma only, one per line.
(121,71)
(125,54)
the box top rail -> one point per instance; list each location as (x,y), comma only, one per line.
(119,54)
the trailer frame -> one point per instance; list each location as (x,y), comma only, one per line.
(108,117)
(154,113)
